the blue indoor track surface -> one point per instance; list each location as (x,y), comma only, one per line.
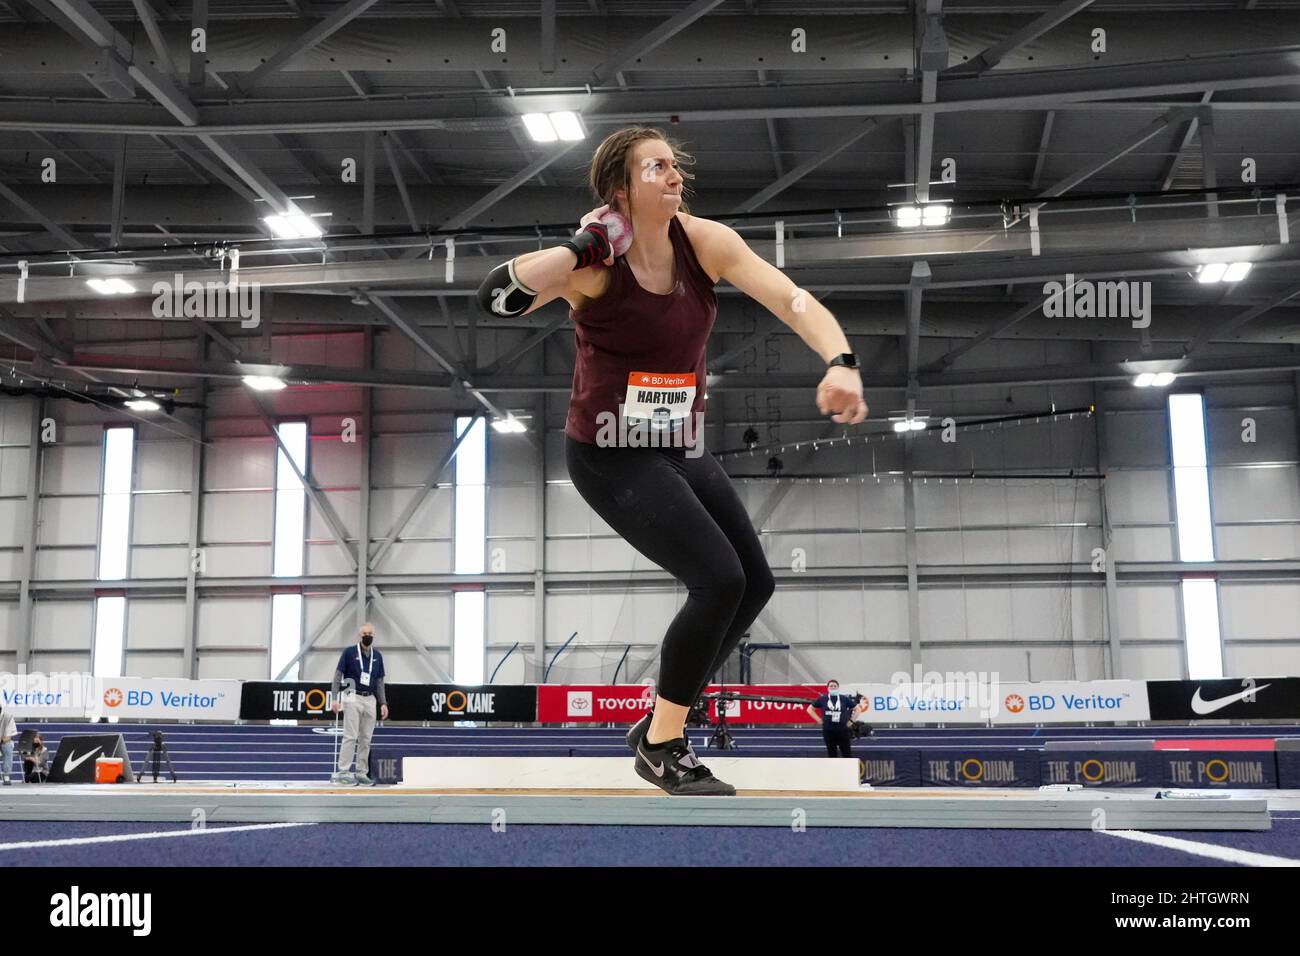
(270,755)
(321,844)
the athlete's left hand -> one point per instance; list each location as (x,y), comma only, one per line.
(840,396)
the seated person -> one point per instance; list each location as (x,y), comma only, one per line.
(36,761)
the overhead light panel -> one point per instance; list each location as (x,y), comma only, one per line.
(142,405)
(293,226)
(509,425)
(1222,272)
(568,125)
(935,214)
(549,127)
(111,286)
(540,128)
(910,425)
(903,422)
(1154,379)
(264,383)
(932,214)
(1211,272)
(907,217)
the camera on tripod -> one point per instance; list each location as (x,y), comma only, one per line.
(157,756)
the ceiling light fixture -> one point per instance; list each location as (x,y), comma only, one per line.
(264,383)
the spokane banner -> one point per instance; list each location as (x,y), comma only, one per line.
(462,702)
(301,700)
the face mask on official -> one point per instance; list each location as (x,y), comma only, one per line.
(367,639)
(832,688)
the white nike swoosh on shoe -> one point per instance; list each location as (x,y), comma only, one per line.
(1202,706)
(657,768)
(70,764)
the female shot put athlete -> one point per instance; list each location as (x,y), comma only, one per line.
(643,312)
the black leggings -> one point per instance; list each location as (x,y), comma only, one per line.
(684,515)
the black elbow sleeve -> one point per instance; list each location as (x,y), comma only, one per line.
(503,294)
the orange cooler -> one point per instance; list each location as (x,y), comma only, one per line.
(108,770)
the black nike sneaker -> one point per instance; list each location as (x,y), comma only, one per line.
(673,767)
(638,731)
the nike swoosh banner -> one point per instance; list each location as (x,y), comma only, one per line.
(74,748)
(1233,698)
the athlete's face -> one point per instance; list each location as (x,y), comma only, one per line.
(654,181)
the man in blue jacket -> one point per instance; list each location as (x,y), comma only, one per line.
(360,675)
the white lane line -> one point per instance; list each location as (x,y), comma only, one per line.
(1225,853)
(153,835)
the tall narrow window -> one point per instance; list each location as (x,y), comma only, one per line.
(114,548)
(290,501)
(286,633)
(1191,478)
(287,545)
(469,638)
(115,515)
(110,622)
(1201,620)
(1202,639)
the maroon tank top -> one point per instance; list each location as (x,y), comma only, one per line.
(630,330)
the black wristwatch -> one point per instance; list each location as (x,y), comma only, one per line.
(847,359)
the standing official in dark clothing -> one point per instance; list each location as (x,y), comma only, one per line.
(360,676)
(8,731)
(838,710)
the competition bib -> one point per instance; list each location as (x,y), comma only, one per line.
(663,399)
